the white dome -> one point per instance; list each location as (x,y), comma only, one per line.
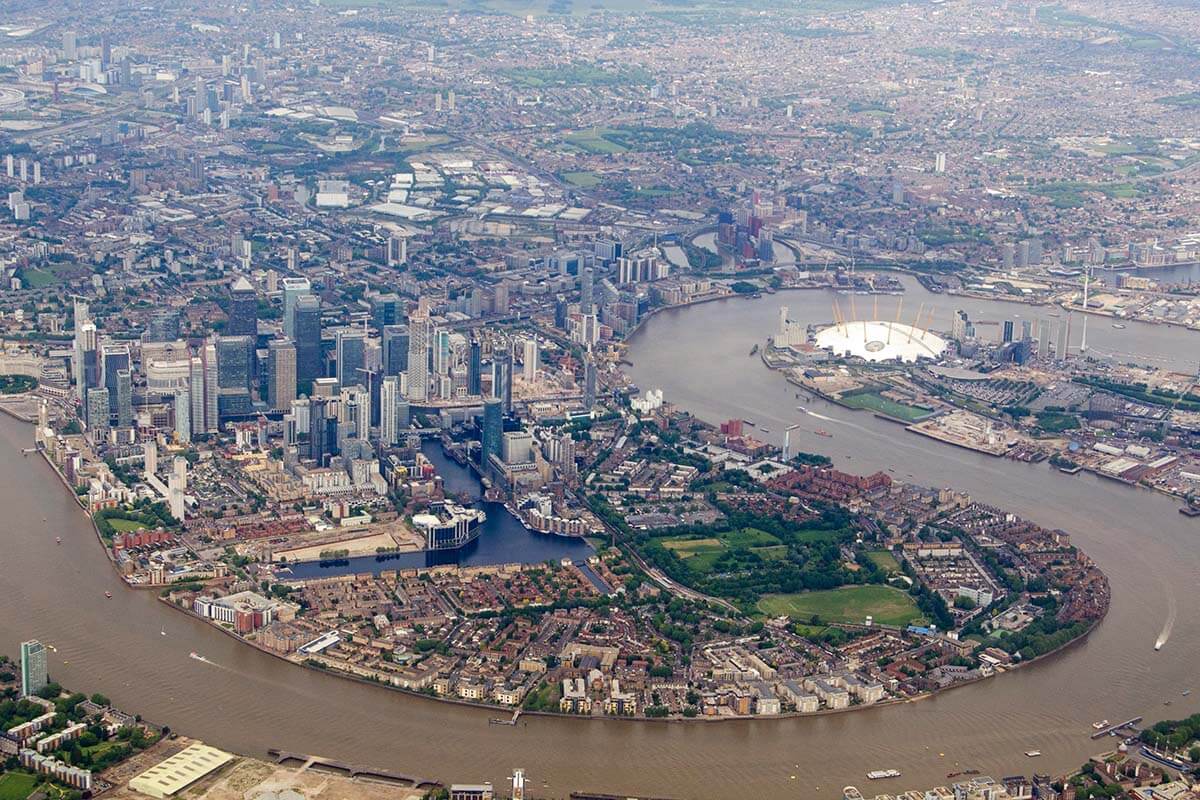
(881,341)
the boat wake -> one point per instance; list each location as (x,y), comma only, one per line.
(1169,625)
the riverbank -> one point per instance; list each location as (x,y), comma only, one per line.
(338,673)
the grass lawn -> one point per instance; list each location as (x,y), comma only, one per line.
(16,785)
(124,525)
(851,604)
(776,552)
(748,537)
(884,560)
(593,141)
(873,401)
(690,547)
(584,180)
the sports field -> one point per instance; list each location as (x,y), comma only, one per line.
(850,604)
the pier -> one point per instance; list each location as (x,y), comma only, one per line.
(354,771)
(1114,728)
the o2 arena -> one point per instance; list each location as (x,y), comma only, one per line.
(877,340)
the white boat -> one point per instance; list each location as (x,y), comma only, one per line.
(1101,725)
(883,774)
(1033,753)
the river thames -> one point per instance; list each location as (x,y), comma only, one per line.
(248,701)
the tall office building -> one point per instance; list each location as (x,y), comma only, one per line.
(293,290)
(418,357)
(351,357)
(491,432)
(208,355)
(196,395)
(124,399)
(34,676)
(475,368)
(86,361)
(235,371)
(386,309)
(233,362)
(502,377)
(389,400)
(441,352)
(281,374)
(560,313)
(183,416)
(113,359)
(589,384)
(586,288)
(395,349)
(529,360)
(69,45)
(1043,338)
(243,310)
(307,318)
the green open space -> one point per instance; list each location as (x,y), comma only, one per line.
(884,560)
(584,180)
(126,525)
(50,274)
(874,401)
(594,140)
(16,785)
(850,604)
(690,547)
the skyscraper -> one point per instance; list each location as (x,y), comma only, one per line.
(502,376)
(124,399)
(307,319)
(208,355)
(281,374)
(293,290)
(33,667)
(491,432)
(395,349)
(529,360)
(586,288)
(389,397)
(113,359)
(183,416)
(418,357)
(351,357)
(97,411)
(234,375)
(243,310)
(475,368)
(589,384)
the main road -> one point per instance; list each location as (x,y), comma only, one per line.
(248,701)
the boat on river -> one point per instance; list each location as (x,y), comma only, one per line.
(883,774)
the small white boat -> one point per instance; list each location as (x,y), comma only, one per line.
(883,774)
(1033,753)
(1102,724)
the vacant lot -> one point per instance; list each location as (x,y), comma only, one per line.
(851,604)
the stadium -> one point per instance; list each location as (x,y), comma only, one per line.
(876,340)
